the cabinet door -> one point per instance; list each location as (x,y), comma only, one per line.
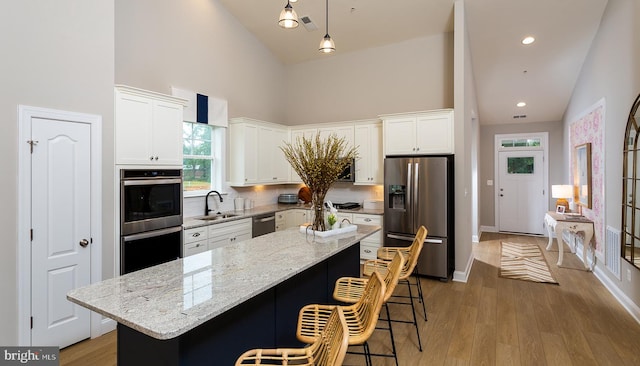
(167,133)
(280,164)
(281,220)
(369,168)
(399,136)
(434,133)
(295,136)
(134,116)
(195,248)
(363,165)
(345,132)
(265,151)
(250,153)
(376,154)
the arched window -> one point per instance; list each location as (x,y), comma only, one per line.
(630,239)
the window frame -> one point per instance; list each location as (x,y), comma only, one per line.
(217,162)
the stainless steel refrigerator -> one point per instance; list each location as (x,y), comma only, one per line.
(419,191)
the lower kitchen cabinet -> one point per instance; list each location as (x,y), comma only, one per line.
(199,239)
(229,232)
(281,220)
(195,241)
(369,245)
(297,217)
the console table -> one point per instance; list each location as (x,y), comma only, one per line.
(575,224)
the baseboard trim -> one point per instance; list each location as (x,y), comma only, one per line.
(623,299)
(107,325)
(488,229)
(463,276)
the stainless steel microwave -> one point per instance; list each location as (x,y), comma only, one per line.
(349,173)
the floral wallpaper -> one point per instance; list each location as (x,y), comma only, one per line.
(590,129)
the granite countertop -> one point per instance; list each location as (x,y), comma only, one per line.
(192,222)
(170,299)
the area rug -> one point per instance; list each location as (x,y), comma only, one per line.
(520,261)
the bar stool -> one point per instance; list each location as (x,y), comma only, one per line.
(361,317)
(350,289)
(328,348)
(411,253)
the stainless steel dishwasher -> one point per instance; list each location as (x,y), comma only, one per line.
(263,224)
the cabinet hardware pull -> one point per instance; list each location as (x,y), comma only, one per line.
(195,235)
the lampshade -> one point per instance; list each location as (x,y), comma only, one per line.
(561,191)
(288,17)
(327,45)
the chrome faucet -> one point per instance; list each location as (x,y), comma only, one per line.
(206,202)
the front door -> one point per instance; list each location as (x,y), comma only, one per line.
(61,224)
(521,194)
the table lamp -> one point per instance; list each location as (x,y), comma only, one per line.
(562,192)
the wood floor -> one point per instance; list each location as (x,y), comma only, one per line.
(489,321)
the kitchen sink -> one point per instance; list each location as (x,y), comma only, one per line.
(216,217)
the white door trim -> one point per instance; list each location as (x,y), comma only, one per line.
(25,114)
(544,146)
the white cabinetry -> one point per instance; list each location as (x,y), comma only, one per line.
(231,232)
(255,155)
(195,241)
(148,127)
(369,245)
(419,133)
(297,217)
(369,164)
(281,220)
(296,135)
(344,131)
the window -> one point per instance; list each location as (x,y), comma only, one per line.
(520,165)
(524,142)
(201,152)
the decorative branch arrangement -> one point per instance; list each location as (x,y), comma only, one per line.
(319,162)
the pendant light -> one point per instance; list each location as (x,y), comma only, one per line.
(288,17)
(327,45)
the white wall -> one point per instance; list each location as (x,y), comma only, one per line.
(414,75)
(197,45)
(56,54)
(611,72)
(465,105)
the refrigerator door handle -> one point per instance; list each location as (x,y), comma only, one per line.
(400,237)
(416,191)
(434,241)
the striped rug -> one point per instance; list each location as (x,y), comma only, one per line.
(521,261)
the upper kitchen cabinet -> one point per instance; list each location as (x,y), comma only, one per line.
(342,131)
(148,127)
(369,163)
(419,133)
(255,156)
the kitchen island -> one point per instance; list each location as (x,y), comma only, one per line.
(208,308)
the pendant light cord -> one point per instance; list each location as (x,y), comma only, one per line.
(327,18)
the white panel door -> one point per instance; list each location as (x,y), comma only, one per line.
(61,223)
(521,196)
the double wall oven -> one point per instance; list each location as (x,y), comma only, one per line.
(150,217)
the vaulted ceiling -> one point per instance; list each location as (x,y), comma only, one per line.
(542,74)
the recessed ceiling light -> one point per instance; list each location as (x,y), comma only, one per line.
(521,104)
(528,40)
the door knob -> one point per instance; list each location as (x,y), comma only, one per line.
(84,243)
